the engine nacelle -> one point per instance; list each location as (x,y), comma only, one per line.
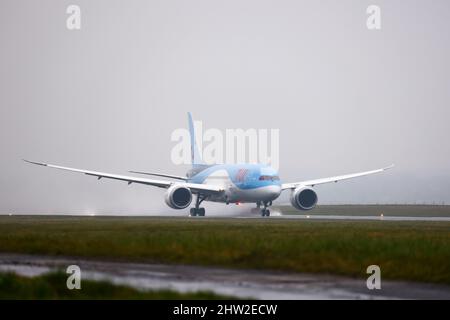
(178,197)
(304,198)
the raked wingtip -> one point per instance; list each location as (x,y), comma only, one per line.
(33,162)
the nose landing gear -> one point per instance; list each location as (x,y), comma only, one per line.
(264,211)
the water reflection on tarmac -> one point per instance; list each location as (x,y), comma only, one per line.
(239,283)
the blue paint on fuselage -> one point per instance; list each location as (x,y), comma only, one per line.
(244,176)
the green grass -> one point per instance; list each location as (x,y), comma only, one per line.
(417,251)
(53,286)
(373,210)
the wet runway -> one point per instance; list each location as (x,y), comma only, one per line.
(239,283)
(274,215)
(370,218)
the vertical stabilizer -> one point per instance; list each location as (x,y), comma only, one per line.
(196,157)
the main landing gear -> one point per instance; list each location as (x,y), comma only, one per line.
(198,211)
(264,211)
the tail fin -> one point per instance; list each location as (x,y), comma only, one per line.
(196,157)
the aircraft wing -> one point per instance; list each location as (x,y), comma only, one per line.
(195,187)
(160,175)
(312,183)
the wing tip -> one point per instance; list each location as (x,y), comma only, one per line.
(389,167)
(34,162)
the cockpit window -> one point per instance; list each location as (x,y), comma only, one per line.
(269,178)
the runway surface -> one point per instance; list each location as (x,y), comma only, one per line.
(239,283)
(370,218)
(274,215)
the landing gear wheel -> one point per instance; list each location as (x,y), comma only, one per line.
(197,212)
(265,213)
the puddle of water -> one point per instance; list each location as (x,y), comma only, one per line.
(238,283)
(153,280)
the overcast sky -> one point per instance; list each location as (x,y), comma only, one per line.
(107,97)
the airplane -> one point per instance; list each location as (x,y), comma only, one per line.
(225,183)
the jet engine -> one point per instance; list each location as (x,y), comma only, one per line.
(304,198)
(178,197)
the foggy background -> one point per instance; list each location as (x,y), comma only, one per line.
(107,97)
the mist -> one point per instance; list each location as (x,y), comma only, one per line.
(108,96)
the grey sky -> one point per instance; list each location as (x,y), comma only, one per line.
(108,96)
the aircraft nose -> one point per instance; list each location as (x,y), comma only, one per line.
(273,191)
